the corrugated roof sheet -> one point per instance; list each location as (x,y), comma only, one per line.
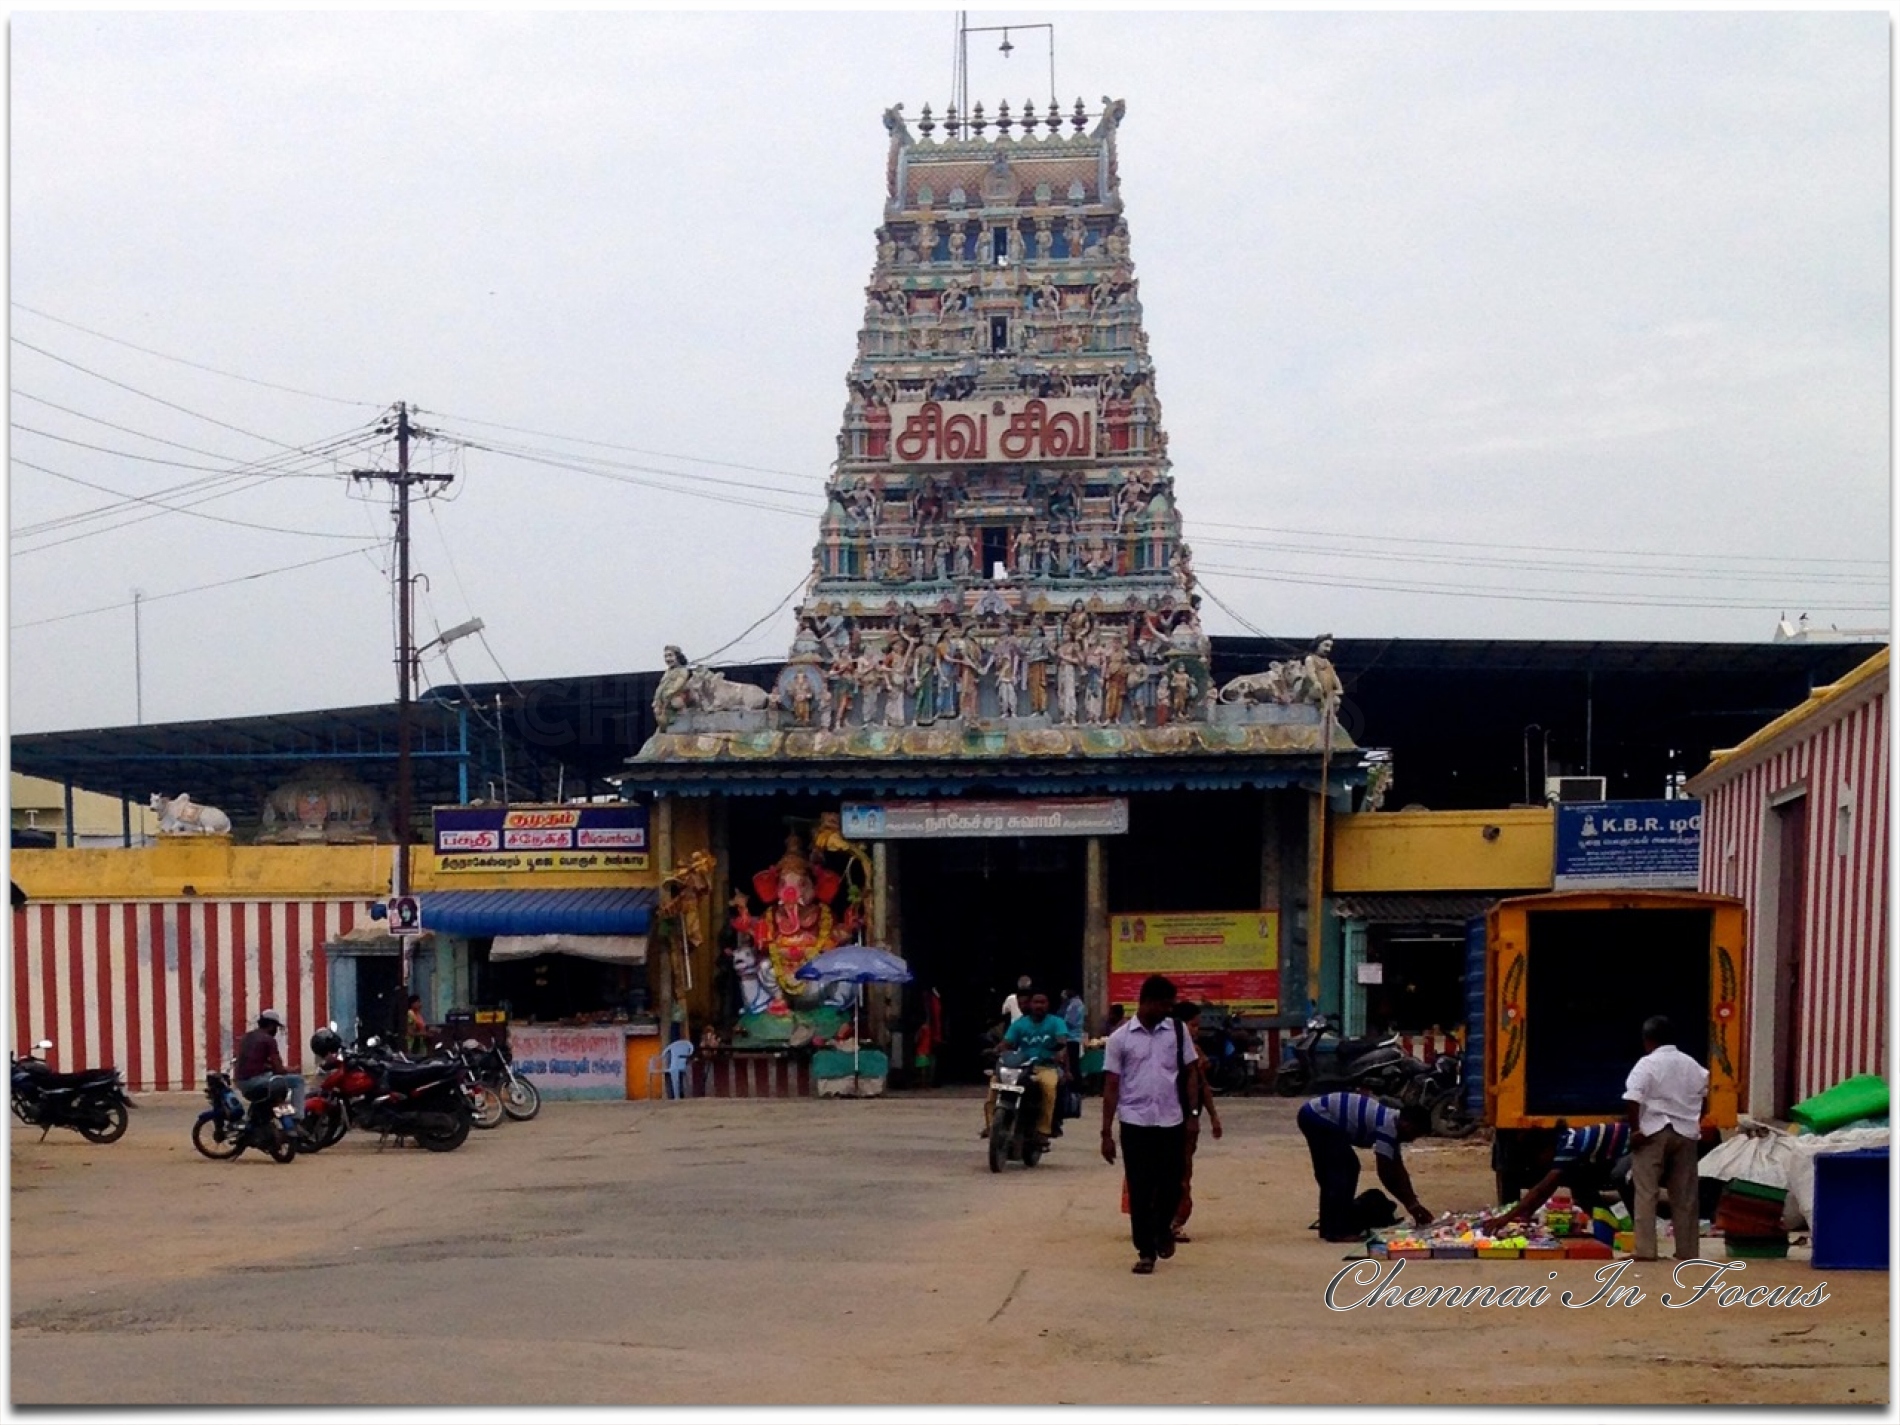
(621,910)
(1405,908)
(1818,702)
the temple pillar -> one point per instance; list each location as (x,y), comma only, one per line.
(885,1002)
(662,982)
(1095,935)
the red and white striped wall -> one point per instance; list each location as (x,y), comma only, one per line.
(164,989)
(751,1076)
(1839,756)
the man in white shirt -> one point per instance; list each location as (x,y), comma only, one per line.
(1014,1006)
(1144,1069)
(1667,1093)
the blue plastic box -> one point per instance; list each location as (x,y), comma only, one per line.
(1851,1214)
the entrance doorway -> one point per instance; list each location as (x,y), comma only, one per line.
(978,914)
(1790,868)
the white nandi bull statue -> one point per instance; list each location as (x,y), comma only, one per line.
(181,816)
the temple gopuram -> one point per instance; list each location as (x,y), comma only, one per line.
(995,747)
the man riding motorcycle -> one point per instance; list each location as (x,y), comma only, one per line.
(1040,1036)
(260,1068)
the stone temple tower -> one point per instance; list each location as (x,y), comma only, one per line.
(999,568)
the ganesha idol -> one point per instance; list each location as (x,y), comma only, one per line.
(797,923)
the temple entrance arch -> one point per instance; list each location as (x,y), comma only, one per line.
(979,912)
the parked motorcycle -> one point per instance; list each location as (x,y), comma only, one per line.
(1013,1133)
(1441,1093)
(93,1102)
(379,1092)
(494,1065)
(1231,1068)
(1320,1059)
(224,1130)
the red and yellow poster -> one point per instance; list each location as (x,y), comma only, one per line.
(1229,958)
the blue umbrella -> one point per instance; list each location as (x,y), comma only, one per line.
(858,965)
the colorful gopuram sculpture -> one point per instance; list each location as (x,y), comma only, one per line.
(999,569)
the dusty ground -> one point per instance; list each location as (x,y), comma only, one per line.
(803,1253)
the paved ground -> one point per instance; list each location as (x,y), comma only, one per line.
(807,1253)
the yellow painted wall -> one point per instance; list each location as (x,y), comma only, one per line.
(1442,850)
(94,813)
(211,867)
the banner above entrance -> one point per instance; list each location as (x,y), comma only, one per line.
(1042,816)
(1230,959)
(605,837)
(1010,428)
(1628,845)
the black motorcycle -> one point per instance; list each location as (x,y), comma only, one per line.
(1013,1135)
(93,1102)
(1440,1091)
(1225,1047)
(224,1130)
(1320,1059)
(380,1092)
(494,1066)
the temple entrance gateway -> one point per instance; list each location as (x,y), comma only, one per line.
(976,915)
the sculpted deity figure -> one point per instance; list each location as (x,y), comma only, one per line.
(1319,682)
(895,674)
(1180,694)
(1094,663)
(926,506)
(922,676)
(1102,294)
(954,299)
(1182,566)
(1141,688)
(1068,673)
(1064,555)
(898,568)
(864,502)
(965,554)
(945,656)
(868,671)
(1007,656)
(1049,297)
(843,673)
(1114,680)
(1045,553)
(886,249)
(1077,233)
(1078,623)
(1132,496)
(673,696)
(1022,553)
(1036,655)
(972,664)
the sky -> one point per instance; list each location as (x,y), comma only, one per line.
(1464,325)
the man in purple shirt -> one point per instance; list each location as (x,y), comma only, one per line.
(1144,1074)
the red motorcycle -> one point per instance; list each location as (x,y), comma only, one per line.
(373,1090)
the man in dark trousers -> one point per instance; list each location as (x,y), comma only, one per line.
(1145,1076)
(260,1068)
(1336,1125)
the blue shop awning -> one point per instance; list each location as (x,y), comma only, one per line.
(620,910)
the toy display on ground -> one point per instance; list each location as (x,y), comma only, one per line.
(1557,1232)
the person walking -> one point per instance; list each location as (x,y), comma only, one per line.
(1014,1004)
(1146,1070)
(1076,1016)
(1199,1104)
(1667,1094)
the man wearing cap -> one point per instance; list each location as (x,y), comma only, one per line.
(260,1068)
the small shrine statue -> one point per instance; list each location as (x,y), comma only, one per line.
(673,694)
(1069,659)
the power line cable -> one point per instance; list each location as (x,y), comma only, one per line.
(803,579)
(1534,566)
(123,386)
(1676,554)
(1552,596)
(630,449)
(596,466)
(195,365)
(178,509)
(194,589)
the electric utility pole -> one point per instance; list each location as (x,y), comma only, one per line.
(401,480)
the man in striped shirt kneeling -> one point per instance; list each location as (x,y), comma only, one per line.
(1336,1125)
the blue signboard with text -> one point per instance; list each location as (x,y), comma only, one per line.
(1628,845)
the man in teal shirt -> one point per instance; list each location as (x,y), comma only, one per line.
(1040,1037)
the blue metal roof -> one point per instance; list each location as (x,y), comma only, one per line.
(620,910)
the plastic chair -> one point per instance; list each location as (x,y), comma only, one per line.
(671,1063)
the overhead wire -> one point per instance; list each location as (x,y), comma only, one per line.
(195,365)
(1567,596)
(174,509)
(630,449)
(180,593)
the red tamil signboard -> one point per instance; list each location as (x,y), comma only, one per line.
(1222,957)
